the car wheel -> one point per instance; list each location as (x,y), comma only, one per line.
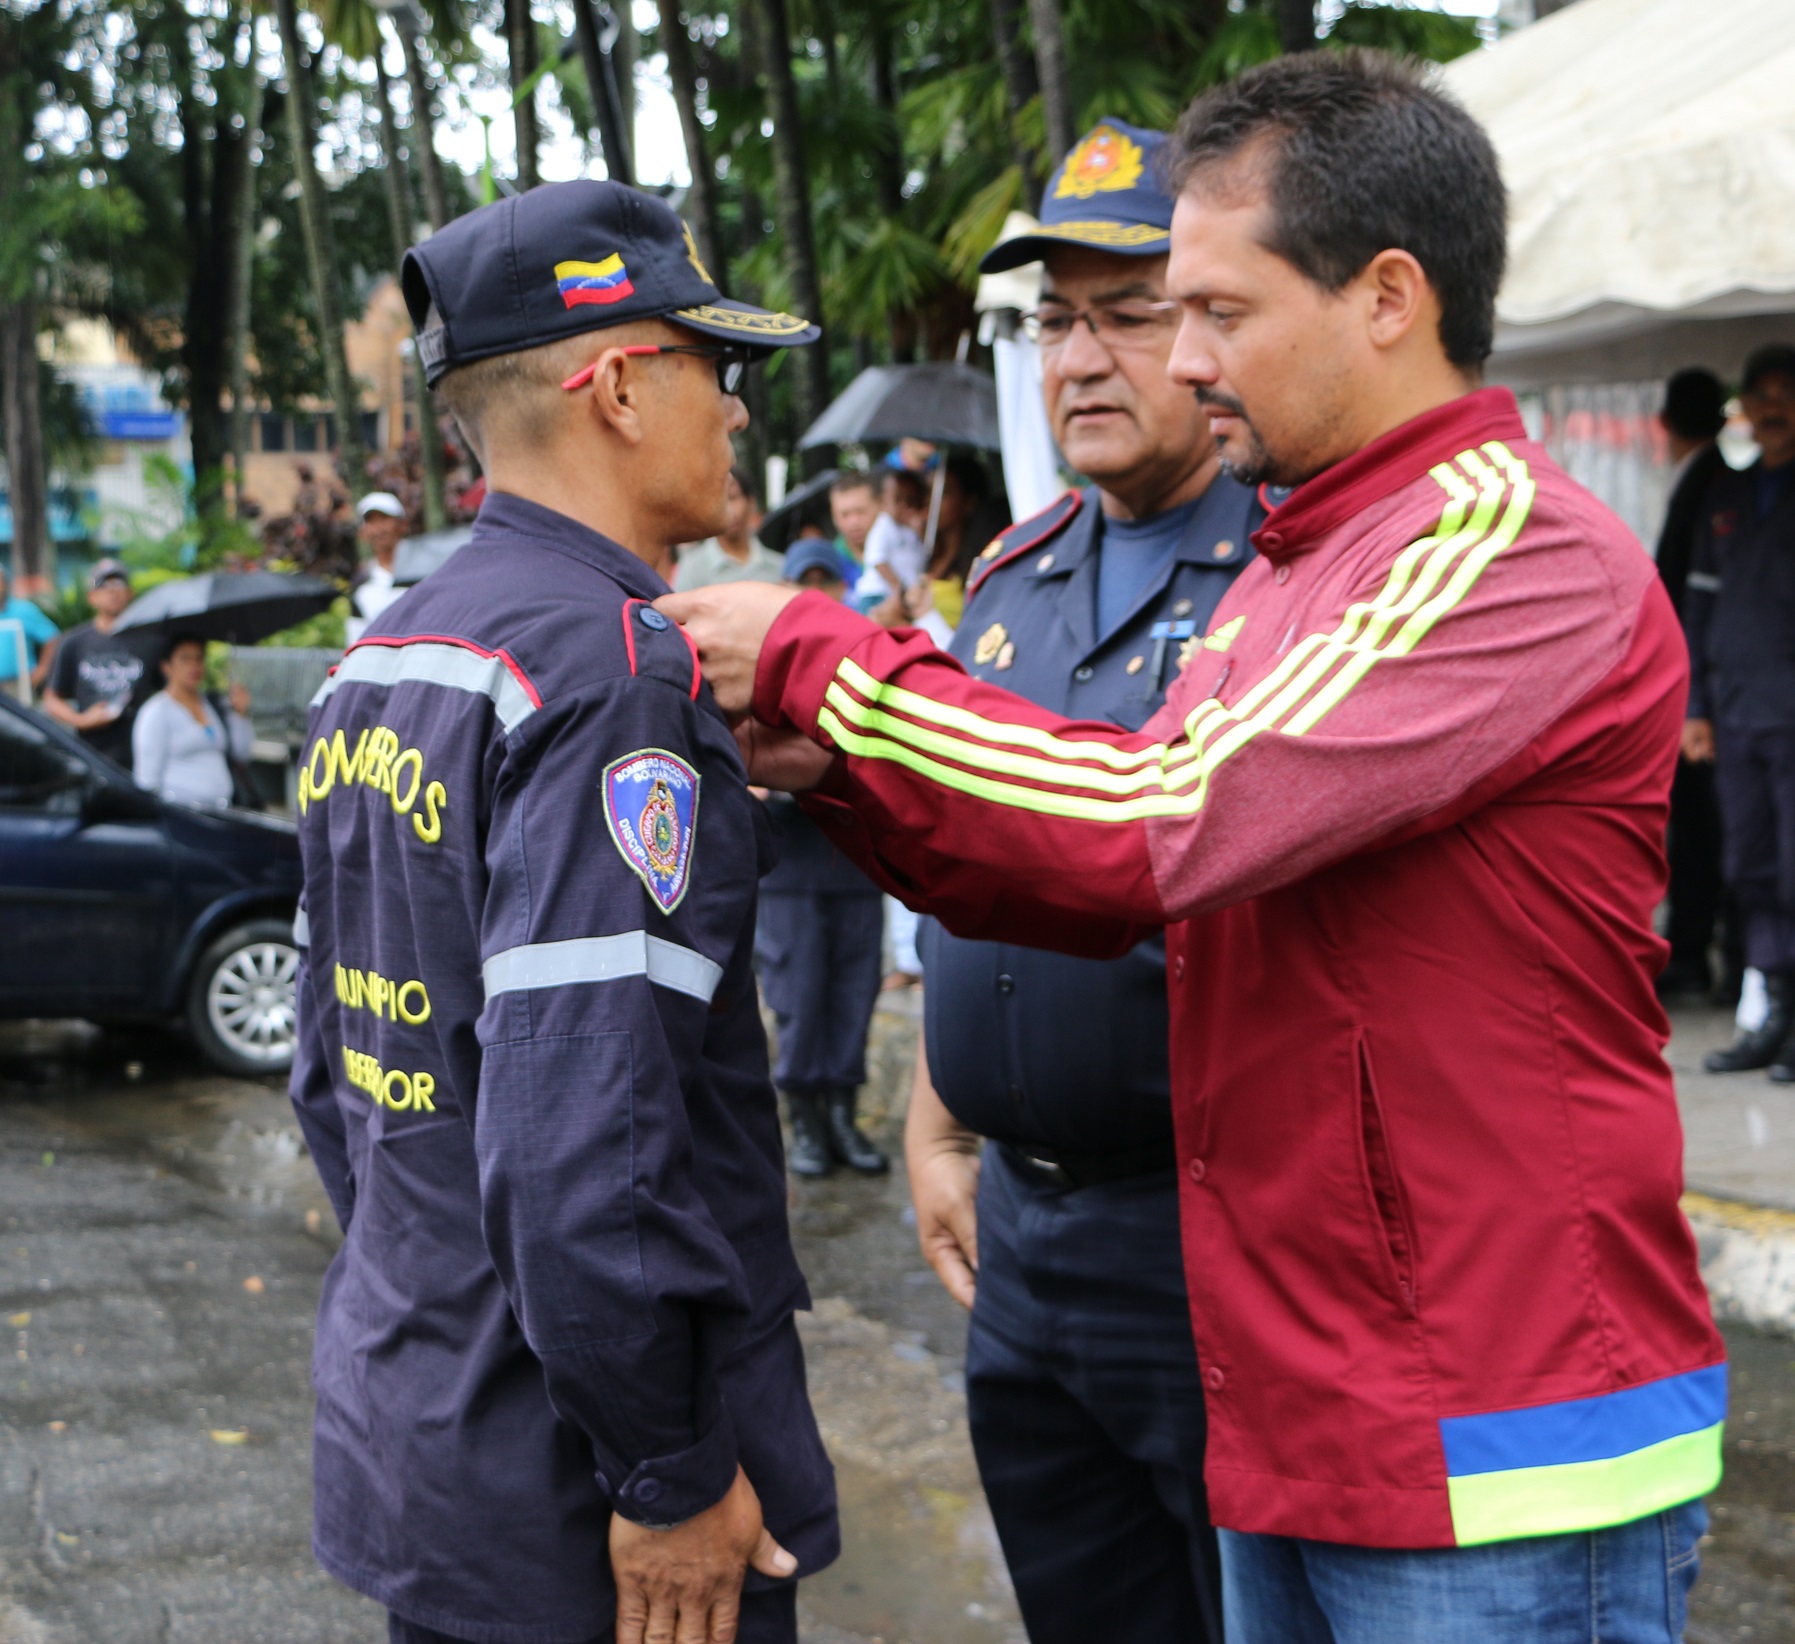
(240,1002)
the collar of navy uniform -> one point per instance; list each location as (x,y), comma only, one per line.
(503,515)
(1221,514)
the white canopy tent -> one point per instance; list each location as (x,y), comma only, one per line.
(1649,151)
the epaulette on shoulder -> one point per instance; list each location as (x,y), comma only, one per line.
(1024,535)
(658,648)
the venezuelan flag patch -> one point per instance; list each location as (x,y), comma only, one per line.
(605,282)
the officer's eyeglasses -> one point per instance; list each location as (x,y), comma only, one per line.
(1115,325)
(732,363)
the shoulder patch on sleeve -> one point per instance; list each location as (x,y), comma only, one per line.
(658,648)
(1024,535)
(651,808)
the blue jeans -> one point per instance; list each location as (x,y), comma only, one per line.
(1626,1585)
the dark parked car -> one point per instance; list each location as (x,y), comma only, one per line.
(117,906)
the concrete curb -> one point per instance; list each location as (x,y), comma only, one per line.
(1748,1260)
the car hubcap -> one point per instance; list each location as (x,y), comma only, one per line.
(250,1001)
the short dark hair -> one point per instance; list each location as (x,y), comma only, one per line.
(1769,360)
(1363,154)
(175,641)
(907,484)
(854,479)
(1694,404)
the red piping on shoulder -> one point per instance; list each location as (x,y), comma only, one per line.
(505,657)
(629,631)
(1034,541)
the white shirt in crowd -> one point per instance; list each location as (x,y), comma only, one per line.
(372,596)
(889,543)
(175,756)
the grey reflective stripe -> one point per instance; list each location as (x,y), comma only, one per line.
(602,959)
(1702,582)
(302,930)
(433,662)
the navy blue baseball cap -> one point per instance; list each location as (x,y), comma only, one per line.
(815,554)
(1107,194)
(563,259)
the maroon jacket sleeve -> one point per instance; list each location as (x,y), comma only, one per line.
(1425,684)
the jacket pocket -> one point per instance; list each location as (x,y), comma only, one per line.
(1384,1191)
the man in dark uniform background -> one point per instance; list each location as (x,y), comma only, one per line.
(1739,615)
(1085,1400)
(1693,415)
(560,1394)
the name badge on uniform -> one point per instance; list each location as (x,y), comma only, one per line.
(651,805)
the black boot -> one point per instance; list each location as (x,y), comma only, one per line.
(1759,1047)
(809,1154)
(845,1140)
(1782,1069)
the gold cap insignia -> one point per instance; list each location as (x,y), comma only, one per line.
(1105,162)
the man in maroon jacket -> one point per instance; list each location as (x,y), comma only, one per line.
(1402,816)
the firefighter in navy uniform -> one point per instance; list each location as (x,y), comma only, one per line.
(559,1387)
(1085,1399)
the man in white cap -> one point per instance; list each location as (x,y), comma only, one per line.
(382,529)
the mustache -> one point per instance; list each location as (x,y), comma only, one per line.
(1210,400)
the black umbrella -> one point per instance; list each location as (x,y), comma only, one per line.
(238,607)
(943,401)
(419,556)
(779,525)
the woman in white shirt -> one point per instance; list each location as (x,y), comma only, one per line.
(179,745)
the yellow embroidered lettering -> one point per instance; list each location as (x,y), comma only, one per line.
(399,1104)
(416,1013)
(415,760)
(423,1087)
(436,799)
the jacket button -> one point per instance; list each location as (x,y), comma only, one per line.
(1270,539)
(1084,674)
(1006,984)
(1178,968)
(1214,1380)
(648,1489)
(649,617)
(1197,1170)
(1281,575)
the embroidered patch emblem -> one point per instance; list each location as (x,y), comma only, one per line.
(1106,162)
(601,282)
(651,806)
(990,643)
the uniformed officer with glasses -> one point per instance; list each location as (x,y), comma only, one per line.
(1061,1230)
(560,1395)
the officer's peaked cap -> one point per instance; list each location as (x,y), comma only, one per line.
(563,259)
(1107,194)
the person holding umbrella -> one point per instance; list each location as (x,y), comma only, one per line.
(181,745)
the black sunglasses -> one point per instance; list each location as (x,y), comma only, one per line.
(732,362)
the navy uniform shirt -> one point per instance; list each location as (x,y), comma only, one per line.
(532,1072)
(1739,603)
(1059,1055)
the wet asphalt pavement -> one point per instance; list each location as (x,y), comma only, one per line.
(162,1239)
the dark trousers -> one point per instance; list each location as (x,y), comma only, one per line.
(1754,776)
(1695,877)
(818,954)
(767,1618)
(1087,1410)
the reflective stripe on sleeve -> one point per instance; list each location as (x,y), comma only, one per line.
(1703,583)
(456,663)
(602,959)
(302,930)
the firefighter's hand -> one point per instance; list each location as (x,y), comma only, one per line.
(784,759)
(729,624)
(1698,741)
(942,1157)
(684,1585)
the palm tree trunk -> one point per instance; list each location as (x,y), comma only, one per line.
(27,474)
(1056,86)
(1296,25)
(242,253)
(398,206)
(320,249)
(520,34)
(791,197)
(623,64)
(701,197)
(424,116)
(607,98)
(1020,86)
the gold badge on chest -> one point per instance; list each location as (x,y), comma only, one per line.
(991,641)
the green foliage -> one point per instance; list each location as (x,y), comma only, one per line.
(326,631)
(160,551)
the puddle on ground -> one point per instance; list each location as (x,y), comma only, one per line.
(918,1566)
